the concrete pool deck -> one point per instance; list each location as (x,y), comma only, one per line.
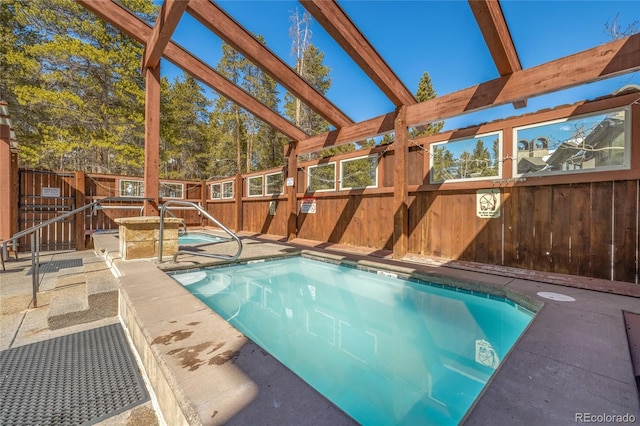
(573,359)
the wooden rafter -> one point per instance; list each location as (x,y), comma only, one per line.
(219,22)
(490,19)
(339,26)
(139,30)
(605,61)
(166,24)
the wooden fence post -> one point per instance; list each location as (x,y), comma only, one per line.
(80,200)
(238,190)
(152,141)
(400,186)
(292,196)
(6,203)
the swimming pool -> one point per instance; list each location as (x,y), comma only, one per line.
(198,238)
(383,349)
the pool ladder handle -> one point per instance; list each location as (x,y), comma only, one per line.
(205,213)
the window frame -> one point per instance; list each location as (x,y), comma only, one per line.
(139,184)
(249,179)
(266,183)
(346,160)
(331,163)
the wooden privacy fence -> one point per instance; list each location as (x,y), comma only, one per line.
(578,222)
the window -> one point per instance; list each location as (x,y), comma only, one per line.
(255,186)
(275,183)
(588,143)
(361,172)
(171,190)
(131,188)
(322,177)
(227,189)
(472,158)
(216,191)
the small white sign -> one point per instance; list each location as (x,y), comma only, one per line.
(308,206)
(50,192)
(289,181)
(488,203)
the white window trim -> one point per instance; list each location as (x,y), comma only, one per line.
(233,187)
(261,186)
(353,159)
(627,145)
(322,165)
(266,185)
(483,135)
(180,184)
(122,191)
(219,185)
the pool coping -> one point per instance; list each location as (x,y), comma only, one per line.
(570,360)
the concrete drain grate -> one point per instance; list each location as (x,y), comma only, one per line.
(56,265)
(81,378)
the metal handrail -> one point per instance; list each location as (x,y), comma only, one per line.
(34,233)
(208,216)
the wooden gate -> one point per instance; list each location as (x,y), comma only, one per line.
(42,196)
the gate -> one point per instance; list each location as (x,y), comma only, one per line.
(43,195)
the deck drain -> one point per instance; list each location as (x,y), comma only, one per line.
(81,378)
(56,265)
(556,296)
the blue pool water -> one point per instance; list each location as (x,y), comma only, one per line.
(198,238)
(385,350)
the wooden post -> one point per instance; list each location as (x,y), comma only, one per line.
(80,200)
(6,203)
(292,196)
(238,190)
(204,195)
(400,186)
(152,141)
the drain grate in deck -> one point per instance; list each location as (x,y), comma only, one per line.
(81,378)
(56,265)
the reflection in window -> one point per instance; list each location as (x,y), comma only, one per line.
(131,188)
(216,190)
(359,172)
(322,177)
(472,158)
(255,186)
(171,190)
(585,143)
(227,189)
(275,183)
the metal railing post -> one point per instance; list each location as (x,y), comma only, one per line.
(34,275)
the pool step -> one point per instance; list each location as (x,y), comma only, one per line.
(83,294)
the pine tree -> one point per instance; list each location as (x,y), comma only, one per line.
(75,85)
(424,93)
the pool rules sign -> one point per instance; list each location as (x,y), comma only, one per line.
(488,203)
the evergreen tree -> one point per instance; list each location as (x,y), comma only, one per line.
(424,93)
(183,126)
(74,86)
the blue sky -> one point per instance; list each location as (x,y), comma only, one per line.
(440,37)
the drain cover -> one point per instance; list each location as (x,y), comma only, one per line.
(56,265)
(556,296)
(80,378)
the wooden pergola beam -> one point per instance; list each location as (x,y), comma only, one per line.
(167,21)
(493,25)
(339,26)
(225,27)
(598,63)
(139,30)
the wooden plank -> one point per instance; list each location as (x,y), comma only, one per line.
(291,191)
(152,141)
(80,202)
(561,206)
(625,235)
(166,24)
(542,197)
(601,229)
(524,235)
(580,218)
(400,187)
(340,27)
(607,60)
